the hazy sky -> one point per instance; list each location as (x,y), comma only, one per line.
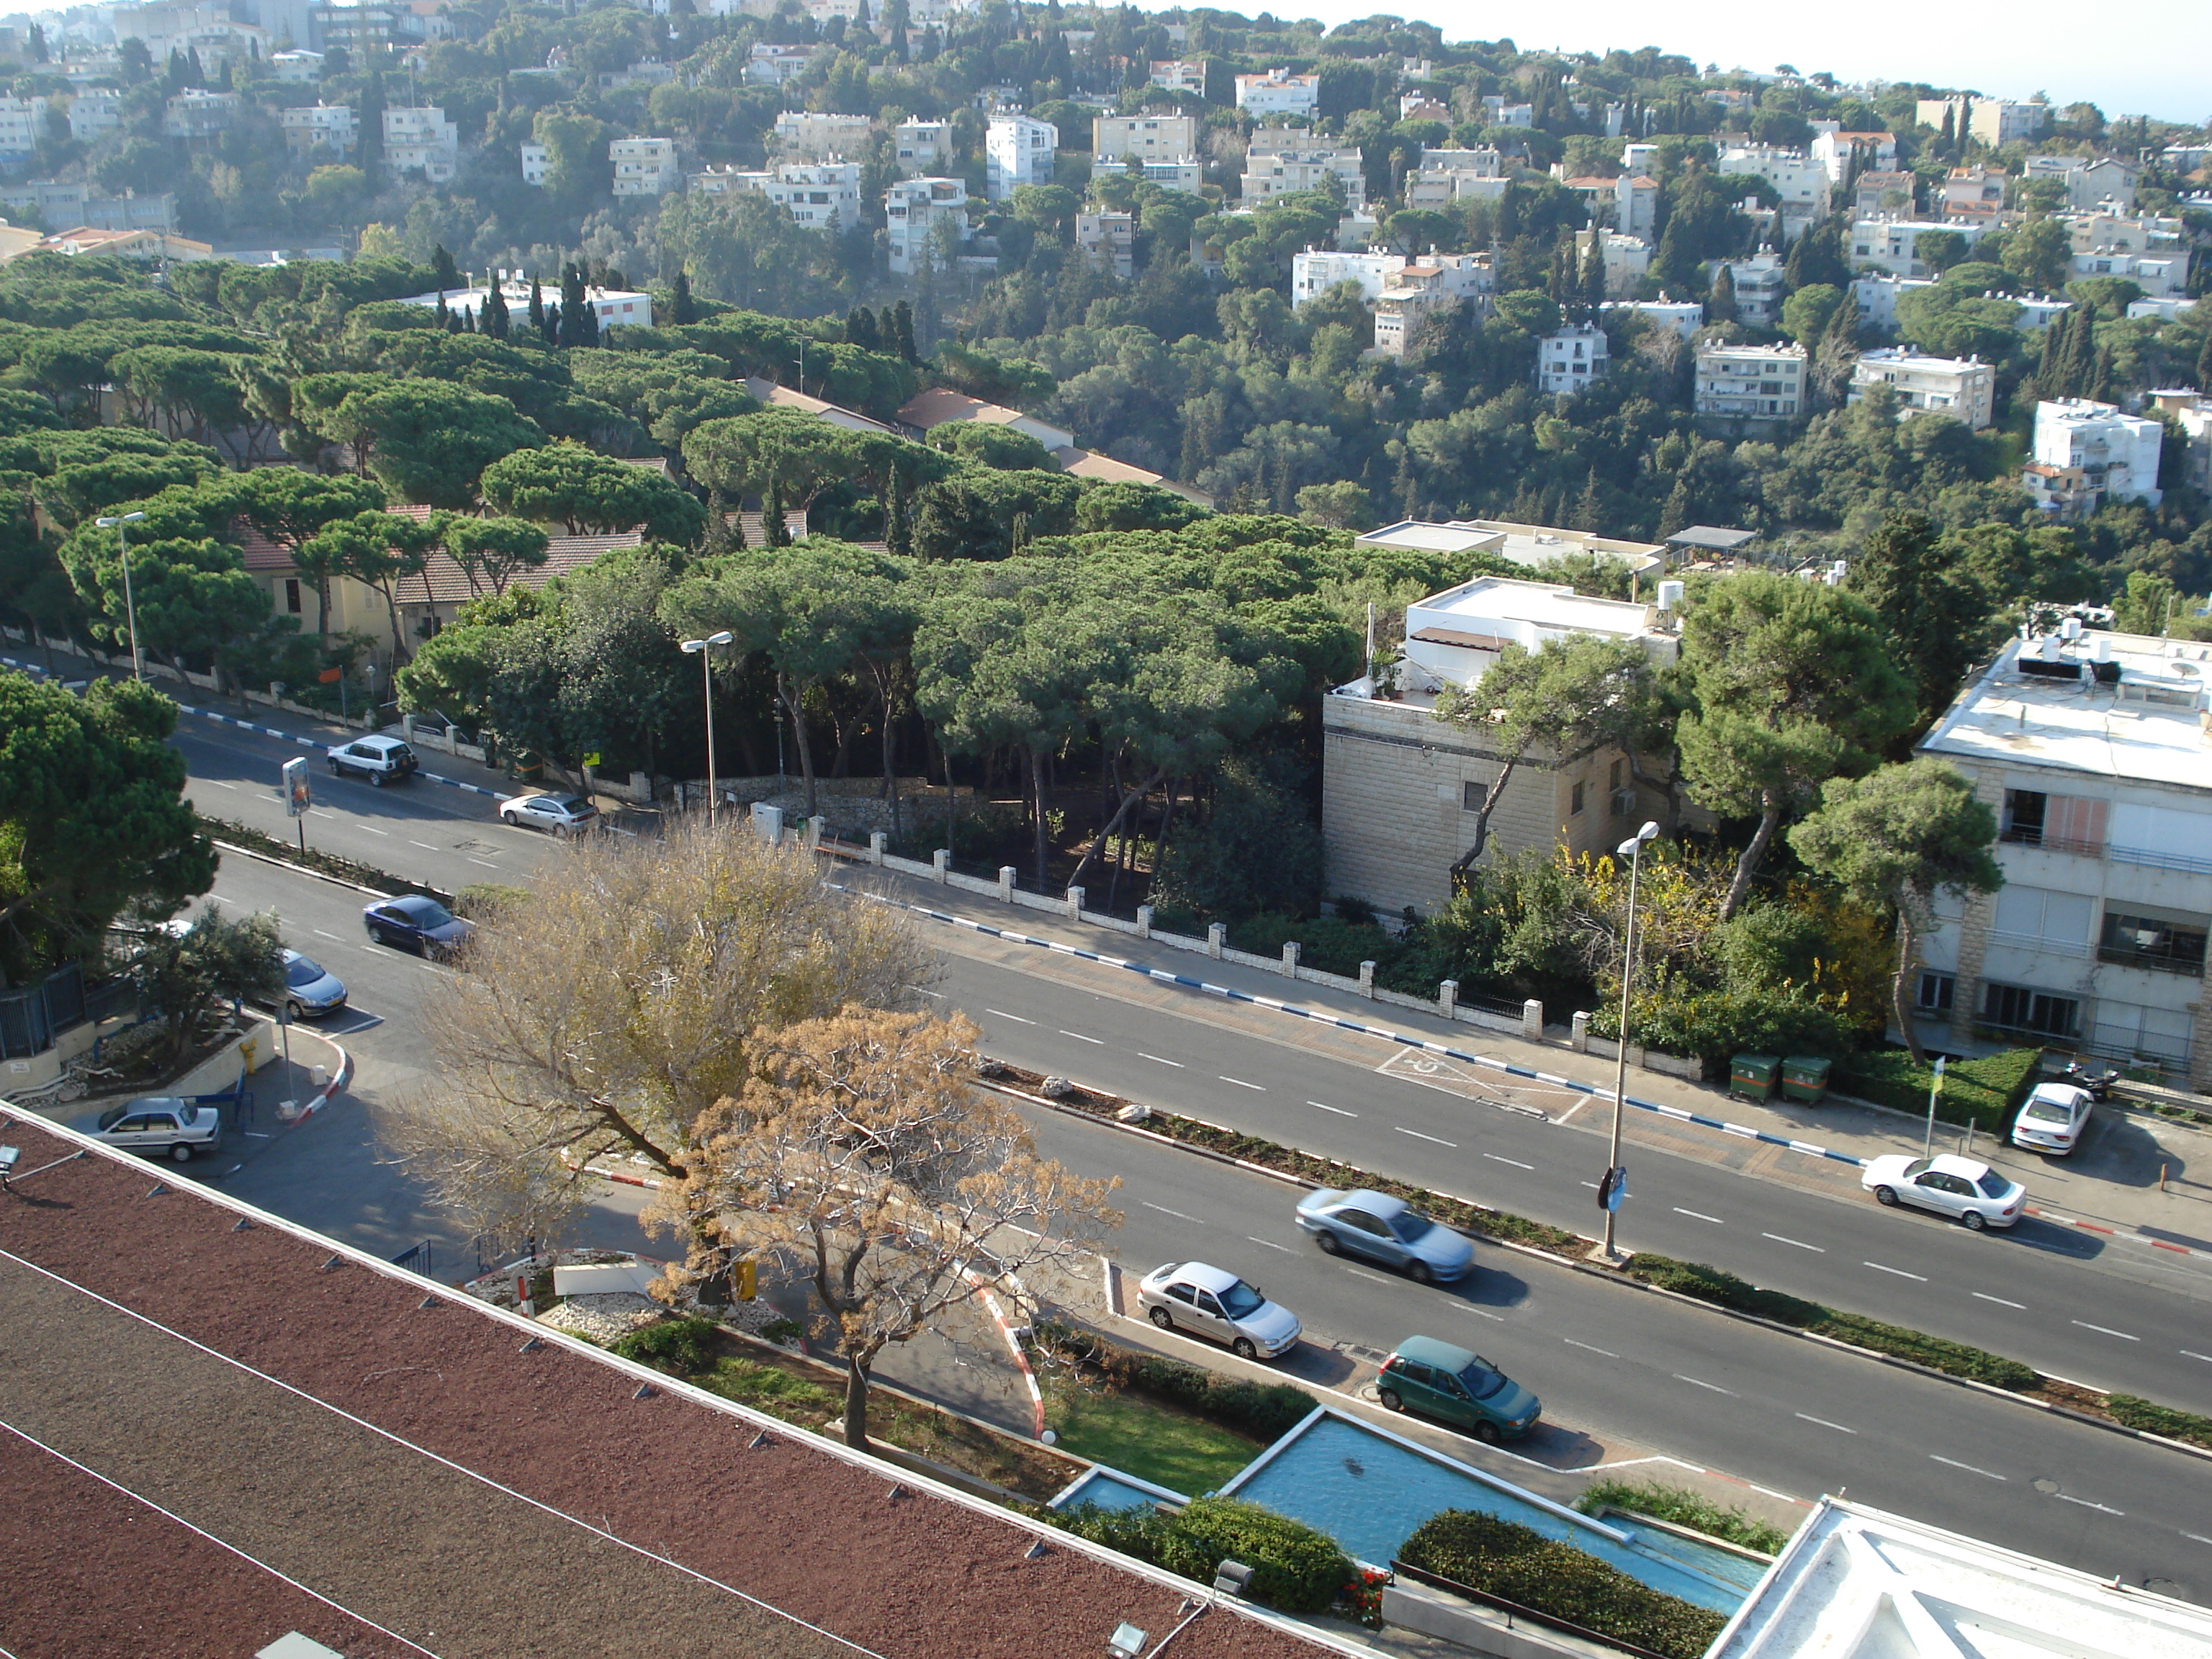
(2150,57)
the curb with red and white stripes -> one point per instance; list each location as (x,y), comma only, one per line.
(2121,1233)
(341,1074)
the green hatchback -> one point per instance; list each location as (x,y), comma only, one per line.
(1456,1387)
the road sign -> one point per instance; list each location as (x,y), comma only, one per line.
(299,796)
(1612,1189)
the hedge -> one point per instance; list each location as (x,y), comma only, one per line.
(1684,1508)
(2136,1414)
(681,1346)
(1984,1092)
(1267,1411)
(1294,1568)
(1517,1563)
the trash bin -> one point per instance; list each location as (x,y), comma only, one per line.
(1805,1077)
(1752,1076)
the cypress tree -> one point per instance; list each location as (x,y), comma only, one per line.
(2081,365)
(552,330)
(1594,273)
(494,311)
(2204,366)
(537,304)
(904,316)
(898,533)
(1590,508)
(574,307)
(775,531)
(2101,377)
(443,270)
(1720,307)
(684,309)
(370,117)
(1946,141)
(715,539)
(860,329)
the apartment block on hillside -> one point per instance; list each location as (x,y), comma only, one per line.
(1960,389)
(1760,387)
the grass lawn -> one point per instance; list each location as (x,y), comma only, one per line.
(1141,1437)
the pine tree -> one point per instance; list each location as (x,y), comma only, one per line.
(898,525)
(1674,516)
(684,309)
(714,540)
(1720,306)
(443,271)
(1405,487)
(1590,508)
(494,311)
(860,329)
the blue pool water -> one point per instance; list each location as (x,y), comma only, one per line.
(1370,1492)
(1109,1491)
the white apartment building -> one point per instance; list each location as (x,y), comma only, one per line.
(2117,453)
(2093,752)
(1279,92)
(2160,277)
(1627,260)
(922,147)
(1425,287)
(2192,411)
(1636,205)
(1496,112)
(1571,361)
(1975,195)
(421,138)
(1187,175)
(1760,283)
(773,65)
(1800,180)
(192,113)
(1878,297)
(334,127)
(298,66)
(1765,383)
(1317,270)
(1683,316)
(913,209)
(1287,161)
(1892,245)
(1994,121)
(1181,76)
(1017,150)
(1959,389)
(826,197)
(93,112)
(23,123)
(1447,174)
(1837,151)
(1108,240)
(1117,138)
(1878,195)
(805,135)
(644,167)
(535,163)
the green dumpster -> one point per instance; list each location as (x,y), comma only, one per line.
(1752,1076)
(1805,1077)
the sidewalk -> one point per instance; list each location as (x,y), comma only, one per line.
(2112,1187)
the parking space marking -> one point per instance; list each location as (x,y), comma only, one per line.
(1269,1244)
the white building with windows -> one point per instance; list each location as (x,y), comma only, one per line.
(1017,150)
(194,112)
(536,162)
(1108,240)
(804,135)
(2117,454)
(1996,121)
(1750,383)
(1626,259)
(1800,180)
(93,112)
(773,65)
(823,197)
(1116,139)
(645,166)
(1761,282)
(1317,270)
(1424,288)
(1891,246)
(2092,753)
(421,140)
(1287,161)
(922,147)
(1571,361)
(1182,75)
(1279,92)
(334,127)
(2192,411)
(913,209)
(1959,389)
(1450,173)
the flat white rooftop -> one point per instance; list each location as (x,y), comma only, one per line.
(2123,707)
(1528,544)
(1544,606)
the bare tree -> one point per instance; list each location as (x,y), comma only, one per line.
(486,1162)
(611,1009)
(862,1148)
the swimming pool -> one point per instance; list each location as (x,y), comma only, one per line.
(1369,1490)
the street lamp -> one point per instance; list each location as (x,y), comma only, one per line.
(130,605)
(1633,850)
(707,680)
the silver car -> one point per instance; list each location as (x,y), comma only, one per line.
(1202,1301)
(556,815)
(2054,1118)
(1952,1185)
(1385,1229)
(157,1126)
(310,989)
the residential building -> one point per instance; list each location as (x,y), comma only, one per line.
(298,66)
(2193,412)
(1571,361)
(1963,389)
(128,243)
(191,114)
(1108,240)
(922,147)
(1317,270)
(1482,161)
(2038,311)
(615,307)
(1424,288)
(1017,150)
(1627,260)
(2107,183)
(1892,245)
(332,127)
(1290,160)
(93,112)
(1875,195)
(824,197)
(421,140)
(74,204)
(364,26)
(647,167)
(1187,175)
(1799,181)
(645,72)
(1996,121)
(1420,106)
(1636,205)
(942,406)
(1400,791)
(1182,75)
(1532,546)
(1115,139)
(1878,297)
(23,127)
(2104,232)
(728,182)
(1496,112)
(773,64)
(1760,285)
(805,135)
(2117,453)
(1448,175)
(1683,316)
(2160,278)
(2090,748)
(1751,384)
(1838,152)
(919,214)
(1279,92)
(1974,194)
(535,162)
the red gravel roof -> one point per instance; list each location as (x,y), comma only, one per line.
(404,1456)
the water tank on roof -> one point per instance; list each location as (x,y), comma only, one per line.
(2100,649)
(1670,596)
(2070,629)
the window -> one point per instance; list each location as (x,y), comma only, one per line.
(2024,810)
(1615,783)
(2043,919)
(1576,799)
(2164,943)
(292,594)
(1470,795)
(1937,991)
(2018,1008)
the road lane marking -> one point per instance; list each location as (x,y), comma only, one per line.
(1953,1462)
(1999,1301)
(425,846)
(1592,1185)
(1515,1161)
(320,934)
(220,784)
(1824,1423)
(1177,1064)
(1339,1110)
(1485,1312)
(1434,1140)
(2107,1330)
(2104,1508)
(1079,1037)
(1270,1243)
(1699,1215)
(1003,1014)
(1163,1210)
(1899,1272)
(1362,1273)
(1799,1243)
(486,863)
(2197,1538)
(1256,1088)
(372,830)
(1588,1347)
(1695,1381)
(2188,1354)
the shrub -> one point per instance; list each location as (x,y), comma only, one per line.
(2126,1408)
(1684,1508)
(1294,1568)
(1725,1290)
(678,1345)
(1984,1092)
(480,899)
(1267,1411)
(1517,1563)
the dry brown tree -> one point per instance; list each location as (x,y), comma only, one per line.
(861,1149)
(608,1011)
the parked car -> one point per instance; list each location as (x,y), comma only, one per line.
(310,989)
(1456,1387)
(159,1126)
(418,923)
(1202,1301)
(1948,1185)
(380,760)
(556,815)
(1385,1229)
(2054,1118)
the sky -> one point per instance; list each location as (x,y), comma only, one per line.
(2149,58)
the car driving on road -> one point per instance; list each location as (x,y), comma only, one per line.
(159,1126)
(380,760)
(1952,1186)
(1456,1387)
(1385,1229)
(556,815)
(310,989)
(1202,1301)
(2054,1118)
(415,923)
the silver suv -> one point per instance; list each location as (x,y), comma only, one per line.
(380,760)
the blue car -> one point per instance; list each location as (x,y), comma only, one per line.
(416,923)
(1385,1229)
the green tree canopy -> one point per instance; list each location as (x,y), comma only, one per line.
(567,485)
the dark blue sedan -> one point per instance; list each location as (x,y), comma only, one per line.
(417,924)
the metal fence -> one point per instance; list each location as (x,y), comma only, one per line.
(416,1259)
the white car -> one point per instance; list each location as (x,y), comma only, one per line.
(2054,1118)
(380,760)
(1974,1193)
(1201,1301)
(556,815)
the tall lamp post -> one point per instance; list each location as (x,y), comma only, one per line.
(699,648)
(1633,850)
(130,605)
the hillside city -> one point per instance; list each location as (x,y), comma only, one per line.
(1519,588)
